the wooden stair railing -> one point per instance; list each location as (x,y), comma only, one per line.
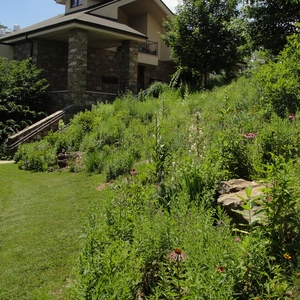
(13,141)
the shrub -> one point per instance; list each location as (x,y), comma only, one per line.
(280,137)
(155,89)
(95,162)
(22,96)
(118,164)
(281,208)
(84,120)
(35,157)
(279,82)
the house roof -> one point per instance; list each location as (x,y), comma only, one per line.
(57,28)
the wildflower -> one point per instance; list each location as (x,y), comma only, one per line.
(220,269)
(287,256)
(292,117)
(177,255)
(250,135)
(237,239)
(133,172)
(220,223)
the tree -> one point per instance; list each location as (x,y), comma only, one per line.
(22,96)
(271,21)
(279,82)
(203,37)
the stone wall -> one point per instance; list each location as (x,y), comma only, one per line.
(129,66)
(53,63)
(77,64)
(61,99)
(163,72)
(103,71)
(22,50)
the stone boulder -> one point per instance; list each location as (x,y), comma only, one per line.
(229,198)
(62,159)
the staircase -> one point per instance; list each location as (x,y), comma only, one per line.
(40,129)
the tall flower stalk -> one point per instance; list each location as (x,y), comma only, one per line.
(178,256)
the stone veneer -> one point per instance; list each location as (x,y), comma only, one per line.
(77,64)
(22,50)
(129,66)
(163,72)
(103,63)
(53,63)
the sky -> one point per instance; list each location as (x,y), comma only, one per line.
(28,12)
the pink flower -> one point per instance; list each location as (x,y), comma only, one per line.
(250,135)
(220,269)
(177,255)
(292,117)
(133,172)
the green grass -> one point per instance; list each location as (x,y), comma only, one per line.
(41,218)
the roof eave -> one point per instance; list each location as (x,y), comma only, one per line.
(70,24)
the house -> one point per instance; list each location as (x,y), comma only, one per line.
(96,49)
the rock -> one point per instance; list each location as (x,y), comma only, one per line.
(62,159)
(230,193)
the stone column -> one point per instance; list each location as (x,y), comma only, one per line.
(77,64)
(129,66)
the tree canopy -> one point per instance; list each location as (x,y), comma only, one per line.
(22,96)
(271,21)
(203,37)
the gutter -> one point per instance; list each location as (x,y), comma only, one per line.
(2,43)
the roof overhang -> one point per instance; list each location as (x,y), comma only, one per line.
(101,35)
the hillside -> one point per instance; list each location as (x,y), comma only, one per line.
(157,232)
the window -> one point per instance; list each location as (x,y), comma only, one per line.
(75,3)
(106,79)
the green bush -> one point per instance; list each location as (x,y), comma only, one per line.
(280,137)
(281,208)
(155,89)
(22,96)
(36,157)
(95,162)
(118,164)
(279,82)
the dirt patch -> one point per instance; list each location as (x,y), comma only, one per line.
(103,186)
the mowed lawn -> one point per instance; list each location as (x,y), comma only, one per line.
(41,220)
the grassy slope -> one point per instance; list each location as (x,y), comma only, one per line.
(41,216)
